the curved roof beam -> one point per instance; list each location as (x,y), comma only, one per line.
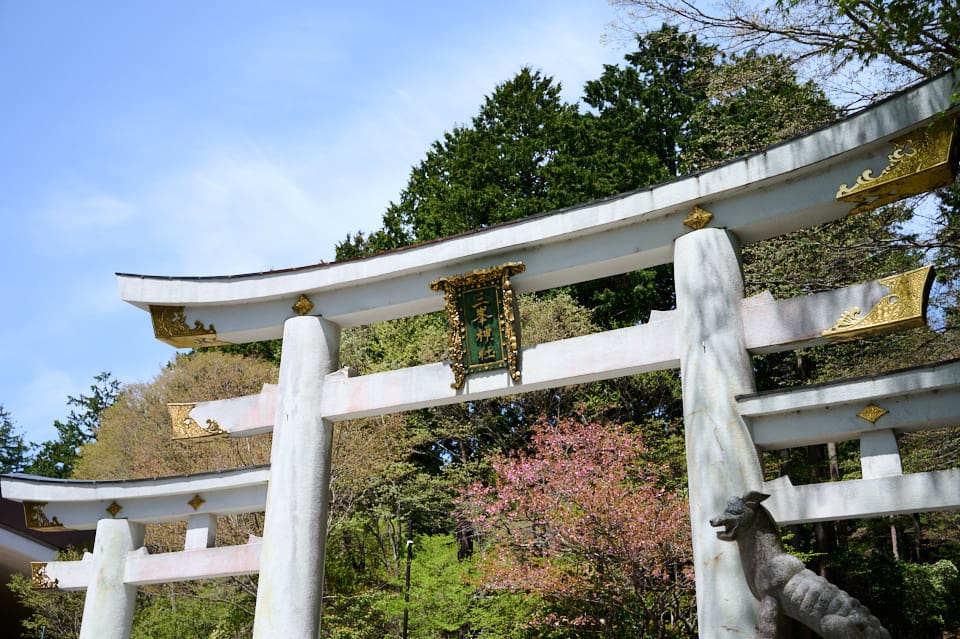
(60,504)
(786,187)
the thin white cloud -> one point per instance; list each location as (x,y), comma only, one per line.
(78,219)
(232,213)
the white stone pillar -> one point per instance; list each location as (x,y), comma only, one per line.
(721,458)
(109,604)
(290,590)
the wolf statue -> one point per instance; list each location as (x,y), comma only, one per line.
(784,587)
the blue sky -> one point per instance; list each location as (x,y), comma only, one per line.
(222,137)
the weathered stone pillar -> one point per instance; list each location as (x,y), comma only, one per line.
(721,458)
(290,590)
(109,604)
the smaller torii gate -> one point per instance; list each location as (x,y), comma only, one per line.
(119,511)
(698,223)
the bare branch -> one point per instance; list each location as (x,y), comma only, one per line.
(844,36)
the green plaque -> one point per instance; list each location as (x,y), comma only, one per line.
(483,329)
(482,321)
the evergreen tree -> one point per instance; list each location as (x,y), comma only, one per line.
(56,458)
(752,101)
(13,450)
(498,169)
(646,104)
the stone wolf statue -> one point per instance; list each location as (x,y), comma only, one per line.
(784,587)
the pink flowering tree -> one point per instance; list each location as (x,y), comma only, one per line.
(582,521)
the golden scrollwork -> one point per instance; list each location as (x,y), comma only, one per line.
(872,412)
(513,340)
(113,508)
(698,218)
(903,307)
(302,306)
(196,502)
(455,338)
(186,427)
(36,519)
(453,287)
(922,160)
(39,579)
(170,326)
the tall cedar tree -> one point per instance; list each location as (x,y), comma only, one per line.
(499,169)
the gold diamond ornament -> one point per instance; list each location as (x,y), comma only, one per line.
(302,306)
(698,218)
(872,413)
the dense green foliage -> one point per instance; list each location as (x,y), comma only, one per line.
(527,152)
(53,615)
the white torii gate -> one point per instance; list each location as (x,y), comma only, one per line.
(119,510)
(698,223)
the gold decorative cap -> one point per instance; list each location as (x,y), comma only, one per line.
(905,306)
(39,579)
(302,306)
(872,413)
(921,161)
(37,519)
(114,508)
(186,427)
(170,326)
(698,218)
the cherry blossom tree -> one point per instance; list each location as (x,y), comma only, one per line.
(581,520)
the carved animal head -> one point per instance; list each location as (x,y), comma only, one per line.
(739,515)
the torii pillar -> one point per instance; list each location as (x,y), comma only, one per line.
(721,458)
(290,591)
(109,604)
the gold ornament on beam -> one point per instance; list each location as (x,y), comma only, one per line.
(39,579)
(921,161)
(483,325)
(170,326)
(302,306)
(113,508)
(905,306)
(698,218)
(186,427)
(36,519)
(872,413)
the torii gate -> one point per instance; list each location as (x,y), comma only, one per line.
(696,222)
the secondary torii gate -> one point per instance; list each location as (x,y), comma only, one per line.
(697,222)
